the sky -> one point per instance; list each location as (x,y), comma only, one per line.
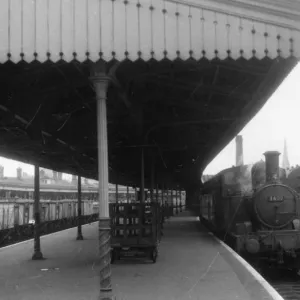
(279,119)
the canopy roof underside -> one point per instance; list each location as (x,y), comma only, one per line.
(182,113)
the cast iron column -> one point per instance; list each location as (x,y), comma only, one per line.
(152,177)
(180,199)
(142,189)
(169,198)
(79,231)
(127,193)
(176,192)
(37,255)
(167,205)
(100,81)
(172,203)
(117,193)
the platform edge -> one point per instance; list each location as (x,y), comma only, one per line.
(268,288)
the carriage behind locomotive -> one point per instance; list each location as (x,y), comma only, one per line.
(253,208)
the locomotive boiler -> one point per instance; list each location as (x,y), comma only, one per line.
(257,214)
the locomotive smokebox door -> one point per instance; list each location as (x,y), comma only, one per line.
(275,205)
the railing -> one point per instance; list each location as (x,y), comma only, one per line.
(17,218)
(11,232)
(20,212)
(24,232)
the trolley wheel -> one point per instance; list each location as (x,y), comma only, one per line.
(154,255)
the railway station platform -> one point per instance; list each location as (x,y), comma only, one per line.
(191,264)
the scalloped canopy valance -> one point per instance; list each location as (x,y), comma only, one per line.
(131,29)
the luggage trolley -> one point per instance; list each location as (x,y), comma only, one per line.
(135,230)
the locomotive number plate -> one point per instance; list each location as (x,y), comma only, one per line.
(275,199)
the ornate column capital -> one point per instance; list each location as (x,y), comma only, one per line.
(100,79)
(101,85)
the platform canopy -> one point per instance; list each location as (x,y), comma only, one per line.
(185,77)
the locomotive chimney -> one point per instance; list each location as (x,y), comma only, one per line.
(272,166)
(239,151)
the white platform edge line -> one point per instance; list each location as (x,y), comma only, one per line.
(44,236)
(272,292)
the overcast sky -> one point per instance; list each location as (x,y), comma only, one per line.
(277,120)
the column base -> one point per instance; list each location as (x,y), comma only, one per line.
(106,297)
(105,257)
(37,256)
(79,237)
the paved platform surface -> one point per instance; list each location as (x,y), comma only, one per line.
(190,266)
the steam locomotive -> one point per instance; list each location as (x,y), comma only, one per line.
(252,209)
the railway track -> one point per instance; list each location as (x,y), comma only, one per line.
(285,282)
(288,290)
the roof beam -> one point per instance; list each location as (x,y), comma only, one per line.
(194,106)
(190,86)
(241,67)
